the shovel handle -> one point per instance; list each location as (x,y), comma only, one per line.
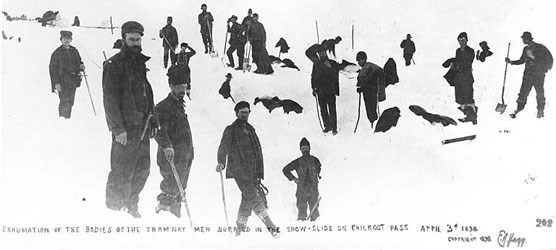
(505,72)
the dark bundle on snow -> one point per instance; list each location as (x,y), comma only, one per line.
(289,105)
(48,17)
(274,59)
(76,21)
(432,118)
(289,64)
(284,48)
(269,103)
(390,72)
(388,119)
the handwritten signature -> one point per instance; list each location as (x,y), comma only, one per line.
(506,239)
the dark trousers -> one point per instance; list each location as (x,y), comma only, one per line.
(168,50)
(529,81)
(463,88)
(408,58)
(182,161)
(67,97)
(327,104)
(206,40)
(130,166)
(307,195)
(370,97)
(251,200)
(240,51)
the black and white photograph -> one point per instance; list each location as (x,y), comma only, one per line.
(265,124)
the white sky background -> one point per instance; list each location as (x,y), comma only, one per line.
(402,176)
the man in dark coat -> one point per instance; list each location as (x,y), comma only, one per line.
(240,152)
(331,44)
(65,68)
(308,169)
(237,42)
(169,37)
(130,114)
(408,47)
(205,20)
(182,62)
(175,144)
(538,60)
(257,37)
(370,81)
(247,19)
(463,84)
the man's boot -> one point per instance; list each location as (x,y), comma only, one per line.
(241,224)
(470,115)
(270,226)
(520,106)
(133,210)
(540,113)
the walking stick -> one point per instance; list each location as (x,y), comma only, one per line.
(318,111)
(213,52)
(314,208)
(89,91)
(358,114)
(224,51)
(182,192)
(224,195)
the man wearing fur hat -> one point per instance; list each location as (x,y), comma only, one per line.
(130,114)
(308,169)
(463,85)
(174,144)
(240,152)
(65,68)
(237,42)
(538,60)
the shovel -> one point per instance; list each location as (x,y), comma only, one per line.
(213,52)
(501,107)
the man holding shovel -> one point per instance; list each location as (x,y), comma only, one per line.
(169,37)
(175,144)
(205,20)
(538,60)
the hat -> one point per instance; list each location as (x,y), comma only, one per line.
(132,27)
(304,142)
(233,17)
(463,34)
(250,11)
(409,36)
(256,15)
(241,105)
(338,38)
(484,43)
(527,35)
(361,56)
(65,33)
(175,77)
(229,75)
(203,5)
(183,45)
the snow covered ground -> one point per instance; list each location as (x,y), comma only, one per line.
(53,172)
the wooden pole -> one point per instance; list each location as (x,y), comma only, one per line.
(352,35)
(111,26)
(317,25)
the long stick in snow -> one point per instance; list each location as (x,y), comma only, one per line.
(358,114)
(224,195)
(317,25)
(89,91)
(314,208)
(182,192)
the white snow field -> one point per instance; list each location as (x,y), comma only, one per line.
(54,171)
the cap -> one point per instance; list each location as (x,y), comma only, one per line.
(304,142)
(229,75)
(361,56)
(203,5)
(241,105)
(233,17)
(132,27)
(527,35)
(409,36)
(463,34)
(65,33)
(183,45)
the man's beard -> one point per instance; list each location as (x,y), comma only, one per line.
(135,49)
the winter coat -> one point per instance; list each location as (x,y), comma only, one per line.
(225,89)
(541,64)
(174,126)
(246,21)
(169,35)
(237,36)
(128,96)
(317,54)
(327,80)
(462,64)
(65,62)
(390,72)
(203,17)
(370,77)
(257,32)
(307,170)
(241,147)
(408,46)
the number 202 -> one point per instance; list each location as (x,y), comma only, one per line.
(544,223)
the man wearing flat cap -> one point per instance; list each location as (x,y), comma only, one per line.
(237,42)
(131,118)
(241,154)
(205,20)
(65,68)
(175,143)
(538,60)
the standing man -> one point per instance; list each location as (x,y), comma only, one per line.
(175,144)
(130,114)
(257,37)
(169,37)
(240,152)
(308,169)
(538,60)
(205,20)
(464,80)
(408,47)
(247,20)
(182,60)
(237,42)
(322,84)
(65,67)
(369,82)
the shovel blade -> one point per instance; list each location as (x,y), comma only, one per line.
(500,108)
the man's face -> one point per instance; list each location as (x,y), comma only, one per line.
(462,41)
(305,150)
(243,114)
(66,41)
(255,18)
(133,41)
(526,41)
(361,62)
(169,21)
(178,90)
(204,8)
